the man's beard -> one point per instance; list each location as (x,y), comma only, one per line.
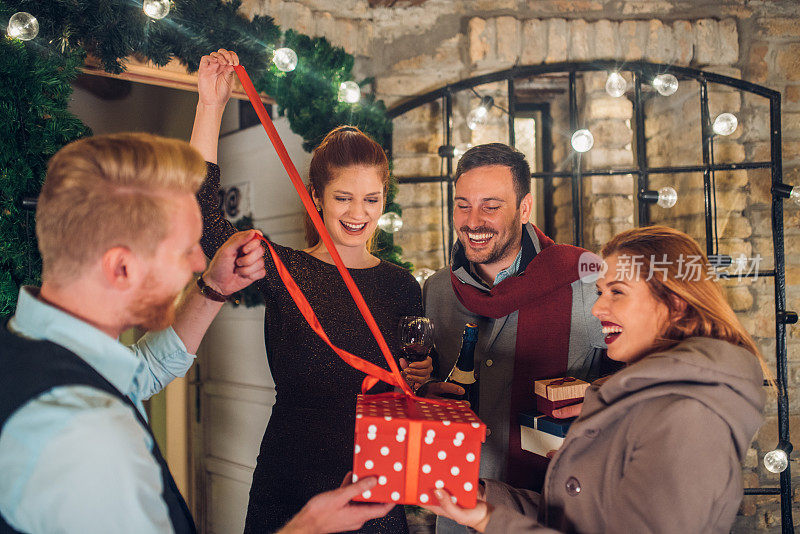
(153,312)
(500,249)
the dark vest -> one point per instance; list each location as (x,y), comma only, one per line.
(29,368)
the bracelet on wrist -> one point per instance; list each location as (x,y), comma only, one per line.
(209,292)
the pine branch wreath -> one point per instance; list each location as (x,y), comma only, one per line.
(35,78)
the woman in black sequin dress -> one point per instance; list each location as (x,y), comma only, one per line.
(308,444)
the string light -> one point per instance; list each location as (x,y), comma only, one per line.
(156,9)
(480,115)
(582,140)
(423,274)
(725,124)
(666,197)
(22,26)
(460,150)
(390,222)
(285,59)
(665,84)
(349,92)
(787,191)
(776,461)
(616,85)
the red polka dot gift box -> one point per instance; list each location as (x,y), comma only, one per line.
(414,447)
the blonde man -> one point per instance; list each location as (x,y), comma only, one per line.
(118,229)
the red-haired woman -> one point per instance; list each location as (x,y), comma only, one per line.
(658,445)
(307,446)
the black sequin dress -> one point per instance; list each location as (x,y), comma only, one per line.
(308,445)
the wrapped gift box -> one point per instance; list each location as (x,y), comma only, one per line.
(559,389)
(541,434)
(547,406)
(415,447)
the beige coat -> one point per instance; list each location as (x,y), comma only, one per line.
(657,448)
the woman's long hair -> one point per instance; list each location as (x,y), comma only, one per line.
(669,257)
(345,146)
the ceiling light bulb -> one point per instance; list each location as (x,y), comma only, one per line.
(665,84)
(582,140)
(725,124)
(616,85)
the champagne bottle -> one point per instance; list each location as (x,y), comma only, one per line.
(463,373)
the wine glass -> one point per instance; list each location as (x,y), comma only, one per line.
(416,338)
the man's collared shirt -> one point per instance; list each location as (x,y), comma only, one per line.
(526,253)
(75,459)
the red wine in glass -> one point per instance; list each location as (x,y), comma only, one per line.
(416,338)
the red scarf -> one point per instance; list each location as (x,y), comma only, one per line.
(543,296)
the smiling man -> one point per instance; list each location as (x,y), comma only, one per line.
(526,296)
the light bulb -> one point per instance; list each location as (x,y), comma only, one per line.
(665,84)
(582,140)
(156,9)
(776,461)
(285,59)
(23,26)
(459,150)
(795,194)
(725,124)
(349,92)
(390,222)
(423,274)
(667,197)
(477,117)
(616,85)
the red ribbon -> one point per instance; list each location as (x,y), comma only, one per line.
(374,372)
(561,381)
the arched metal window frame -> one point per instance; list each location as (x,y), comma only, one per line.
(643,72)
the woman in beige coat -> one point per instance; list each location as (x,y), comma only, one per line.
(658,445)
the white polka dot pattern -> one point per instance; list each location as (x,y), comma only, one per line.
(448,440)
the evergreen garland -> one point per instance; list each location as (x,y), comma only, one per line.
(35,79)
(34,90)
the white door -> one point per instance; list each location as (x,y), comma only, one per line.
(234,392)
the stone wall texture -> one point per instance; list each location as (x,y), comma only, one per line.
(414,49)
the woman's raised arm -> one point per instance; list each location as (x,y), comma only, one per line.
(214,87)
